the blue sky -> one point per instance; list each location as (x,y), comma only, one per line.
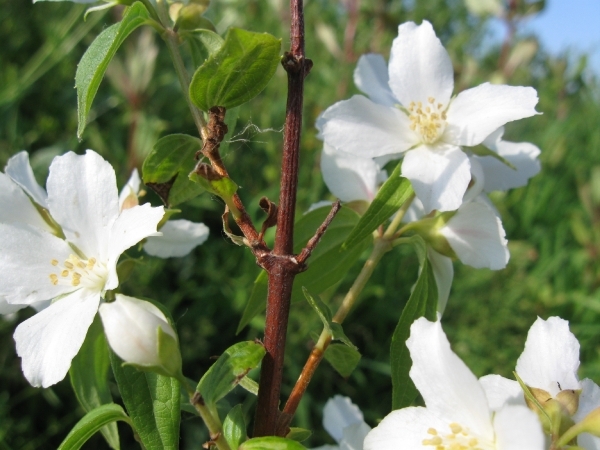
(572,25)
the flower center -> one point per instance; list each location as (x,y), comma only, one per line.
(459,438)
(79,273)
(429,120)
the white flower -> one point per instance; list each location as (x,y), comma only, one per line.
(178,238)
(132,330)
(344,422)
(457,413)
(549,362)
(430,127)
(497,176)
(76,272)
(349,177)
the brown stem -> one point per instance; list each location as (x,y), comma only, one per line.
(283,266)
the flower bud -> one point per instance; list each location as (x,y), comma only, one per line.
(140,334)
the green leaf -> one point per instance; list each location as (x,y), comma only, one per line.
(320,308)
(95,60)
(482,150)
(203,44)
(326,266)
(94,421)
(89,377)
(344,359)
(271,443)
(390,197)
(238,72)
(167,167)
(234,427)
(422,302)
(226,372)
(298,434)
(152,402)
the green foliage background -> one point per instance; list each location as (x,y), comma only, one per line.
(553,224)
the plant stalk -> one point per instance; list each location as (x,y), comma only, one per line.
(283,265)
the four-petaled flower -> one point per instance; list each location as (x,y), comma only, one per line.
(410,112)
(76,271)
(457,413)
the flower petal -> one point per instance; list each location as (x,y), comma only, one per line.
(16,207)
(20,171)
(405,429)
(498,176)
(131,189)
(365,129)
(443,272)
(551,356)
(26,255)
(371,77)
(48,341)
(339,413)
(500,391)
(132,225)
(179,237)
(8,308)
(518,428)
(446,384)
(354,436)
(476,235)
(588,401)
(83,199)
(349,177)
(439,176)
(475,113)
(420,67)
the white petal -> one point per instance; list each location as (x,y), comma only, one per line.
(518,428)
(500,391)
(26,255)
(132,225)
(475,113)
(443,272)
(446,384)
(339,413)
(349,177)
(354,436)
(405,429)
(83,199)
(415,211)
(500,177)
(439,176)
(20,171)
(7,308)
(363,128)
(179,237)
(420,67)
(16,207)
(371,77)
(132,188)
(476,235)
(48,341)
(588,441)
(551,356)
(131,328)
(477,179)
(588,401)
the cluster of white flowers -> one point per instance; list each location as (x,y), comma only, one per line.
(410,113)
(59,252)
(492,413)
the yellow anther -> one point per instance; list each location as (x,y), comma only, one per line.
(75,282)
(54,279)
(427,109)
(64,273)
(473,442)
(439,106)
(444,115)
(420,105)
(432,431)
(91,262)
(76,275)
(80,265)
(68,265)
(455,428)
(54,262)
(431,99)
(433,441)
